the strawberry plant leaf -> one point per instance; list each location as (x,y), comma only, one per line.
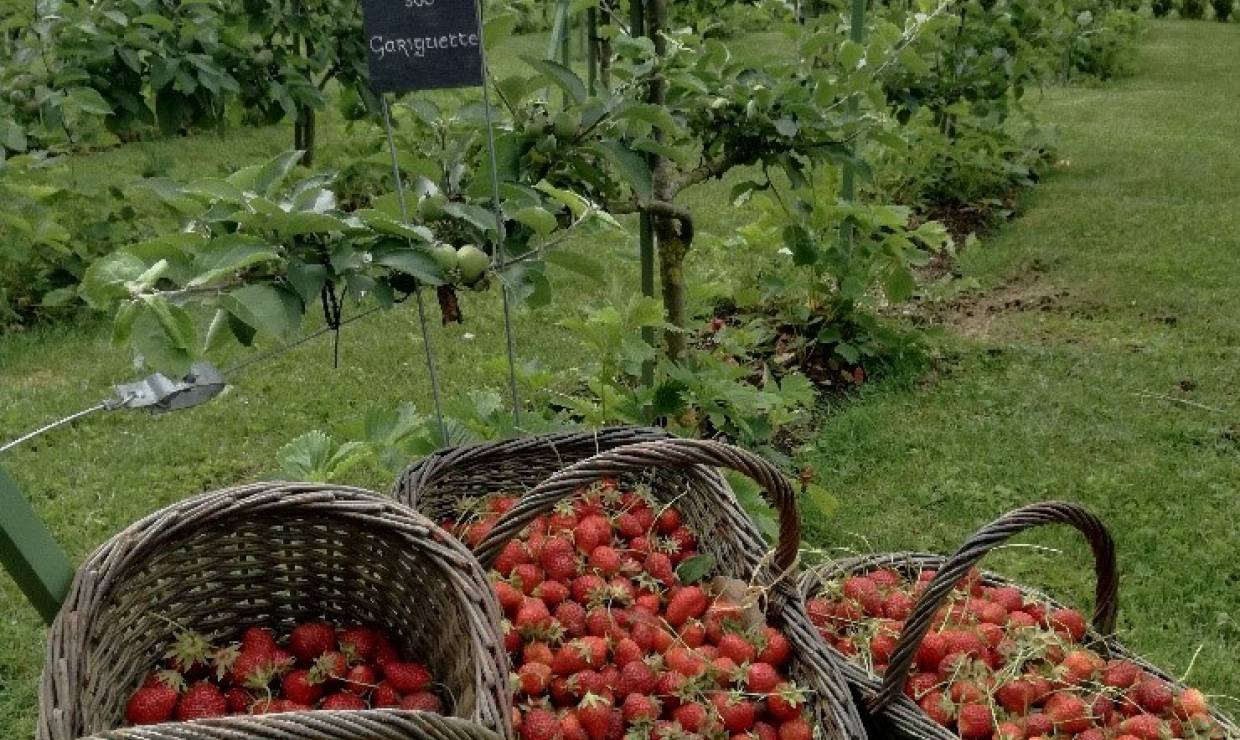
(696,568)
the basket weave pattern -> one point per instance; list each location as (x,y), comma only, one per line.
(272,554)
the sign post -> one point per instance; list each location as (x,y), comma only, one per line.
(30,554)
(431,45)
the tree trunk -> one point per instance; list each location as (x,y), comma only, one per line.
(604,44)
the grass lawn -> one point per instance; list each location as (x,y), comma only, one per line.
(1131,244)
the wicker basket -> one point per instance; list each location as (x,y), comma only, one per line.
(891,713)
(677,472)
(438,484)
(272,554)
(361,725)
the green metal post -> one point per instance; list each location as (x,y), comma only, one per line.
(637,26)
(30,554)
(848,185)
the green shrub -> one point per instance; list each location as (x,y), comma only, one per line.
(1222,10)
(1192,9)
(1161,8)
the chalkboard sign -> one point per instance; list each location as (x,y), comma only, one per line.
(422,44)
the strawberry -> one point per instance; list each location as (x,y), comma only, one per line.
(385,695)
(509,596)
(684,542)
(422,701)
(685,662)
(1016,696)
(539,724)
(594,714)
(660,568)
(572,617)
(592,531)
(276,706)
(1154,696)
(920,684)
(635,678)
(1068,713)
(897,605)
(692,718)
(151,704)
(589,588)
(737,648)
(761,678)
(533,679)
(626,651)
(639,708)
(1009,731)
(931,651)
(629,526)
(776,650)
(1069,622)
(309,641)
(1144,726)
(513,554)
(881,648)
(687,603)
(736,712)
(533,617)
(786,702)
(794,729)
(1120,674)
(299,686)
(239,701)
(1080,666)
(975,721)
(1037,725)
(343,700)
(359,643)
(360,679)
(332,665)
(406,678)
(527,577)
(1009,597)
(1191,703)
(253,669)
(201,701)
(937,707)
(537,652)
(605,560)
(552,593)
(258,638)
(571,729)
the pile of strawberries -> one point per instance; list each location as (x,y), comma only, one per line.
(608,642)
(317,667)
(998,666)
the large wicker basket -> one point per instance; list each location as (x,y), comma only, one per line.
(362,725)
(272,554)
(681,472)
(891,713)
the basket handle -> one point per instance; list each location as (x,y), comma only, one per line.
(974,549)
(668,453)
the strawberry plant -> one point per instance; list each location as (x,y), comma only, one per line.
(317,665)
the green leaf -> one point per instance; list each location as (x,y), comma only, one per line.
(578,263)
(300,224)
(899,284)
(314,456)
(821,501)
(271,175)
(176,322)
(801,244)
(696,568)
(307,279)
(230,254)
(498,28)
(265,308)
(89,100)
(215,189)
(539,219)
(655,115)
(576,204)
(563,77)
(631,166)
(151,342)
(105,280)
(122,325)
(411,262)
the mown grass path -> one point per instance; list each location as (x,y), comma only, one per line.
(1100,362)
(1128,252)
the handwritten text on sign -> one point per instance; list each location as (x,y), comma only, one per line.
(422,44)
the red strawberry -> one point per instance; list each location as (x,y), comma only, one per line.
(975,721)
(1154,696)
(253,669)
(1080,666)
(342,701)
(687,603)
(777,650)
(360,679)
(539,724)
(1144,726)
(534,678)
(795,729)
(331,665)
(898,605)
(736,712)
(1039,725)
(589,588)
(592,531)
(605,560)
(513,554)
(201,701)
(691,717)
(360,643)
(1021,620)
(761,678)
(629,526)
(423,701)
(1068,712)
(635,678)
(1120,674)
(737,648)
(299,686)
(786,702)
(640,708)
(931,651)
(919,684)
(1069,622)
(881,648)
(276,706)
(1016,696)
(552,593)
(685,662)
(258,638)
(660,568)
(385,695)
(937,707)
(239,701)
(572,617)
(407,678)
(527,577)
(626,651)
(151,704)
(684,542)
(865,592)
(570,727)
(309,641)
(594,714)
(1191,703)
(533,617)
(1009,731)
